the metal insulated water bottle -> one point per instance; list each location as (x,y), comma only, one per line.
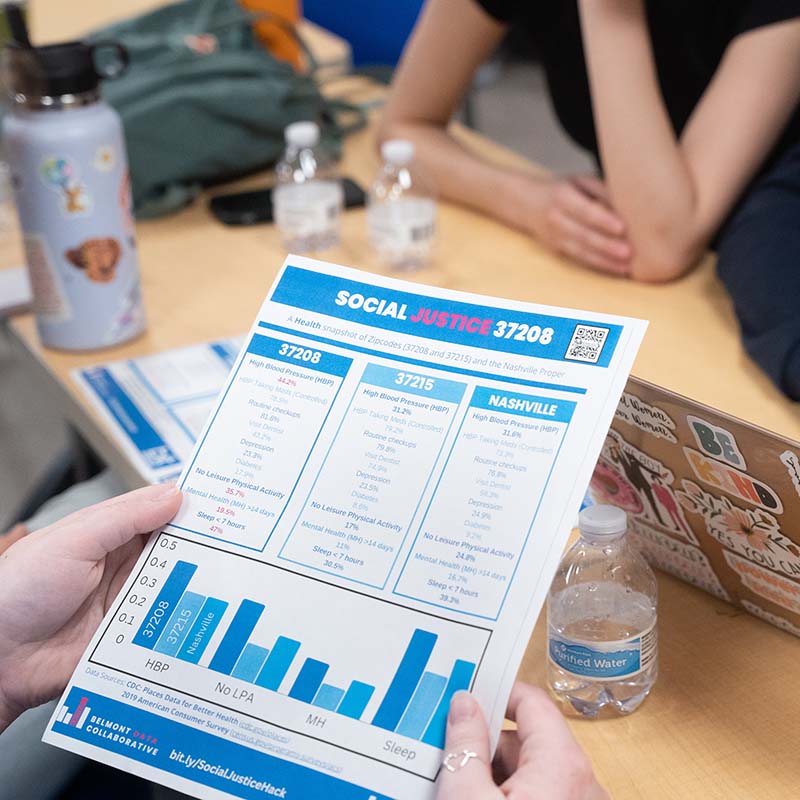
(69,169)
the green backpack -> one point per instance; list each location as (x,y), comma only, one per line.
(203,102)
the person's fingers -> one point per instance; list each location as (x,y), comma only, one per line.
(593,186)
(506,757)
(591,258)
(608,246)
(14,535)
(581,207)
(551,763)
(466,732)
(94,532)
(527,705)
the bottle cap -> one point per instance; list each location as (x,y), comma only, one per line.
(68,68)
(603,521)
(302,134)
(398,151)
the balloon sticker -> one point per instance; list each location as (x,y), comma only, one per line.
(773,619)
(686,562)
(752,533)
(647,418)
(775,588)
(792,464)
(61,175)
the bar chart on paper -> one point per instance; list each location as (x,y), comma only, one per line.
(247,653)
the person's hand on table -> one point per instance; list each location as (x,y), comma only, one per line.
(539,761)
(573,217)
(56,585)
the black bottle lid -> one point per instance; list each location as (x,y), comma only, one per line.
(67,68)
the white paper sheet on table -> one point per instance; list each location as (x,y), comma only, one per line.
(371,520)
(154,407)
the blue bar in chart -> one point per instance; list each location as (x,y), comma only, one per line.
(405,680)
(250,662)
(328,697)
(309,680)
(356,699)
(177,628)
(183,623)
(196,641)
(236,636)
(164,604)
(422,705)
(459,679)
(277,664)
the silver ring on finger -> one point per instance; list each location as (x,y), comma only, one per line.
(453,762)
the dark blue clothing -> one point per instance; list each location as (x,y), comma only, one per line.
(759,263)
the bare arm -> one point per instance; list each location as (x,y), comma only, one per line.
(450,41)
(674,193)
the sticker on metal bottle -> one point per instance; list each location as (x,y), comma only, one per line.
(604,660)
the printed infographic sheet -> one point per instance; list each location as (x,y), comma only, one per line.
(371,519)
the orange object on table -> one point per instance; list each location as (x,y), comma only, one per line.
(271,33)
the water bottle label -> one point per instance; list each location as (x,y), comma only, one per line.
(403,224)
(312,219)
(311,209)
(604,660)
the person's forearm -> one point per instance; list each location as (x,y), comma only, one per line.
(649,180)
(462,177)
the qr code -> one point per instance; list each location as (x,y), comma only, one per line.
(586,344)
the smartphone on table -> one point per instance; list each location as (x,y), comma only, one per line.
(254,207)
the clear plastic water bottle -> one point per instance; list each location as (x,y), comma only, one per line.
(308,198)
(601,615)
(401,209)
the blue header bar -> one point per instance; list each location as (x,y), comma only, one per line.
(486,327)
(523,405)
(417,383)
(299,356)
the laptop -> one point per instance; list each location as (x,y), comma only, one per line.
(710,498)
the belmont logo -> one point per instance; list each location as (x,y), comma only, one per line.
(75,717)
(732,481)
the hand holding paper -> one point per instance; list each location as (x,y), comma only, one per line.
(371,518)
(540,760)
(57,584)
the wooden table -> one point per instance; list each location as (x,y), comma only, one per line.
(722,721)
